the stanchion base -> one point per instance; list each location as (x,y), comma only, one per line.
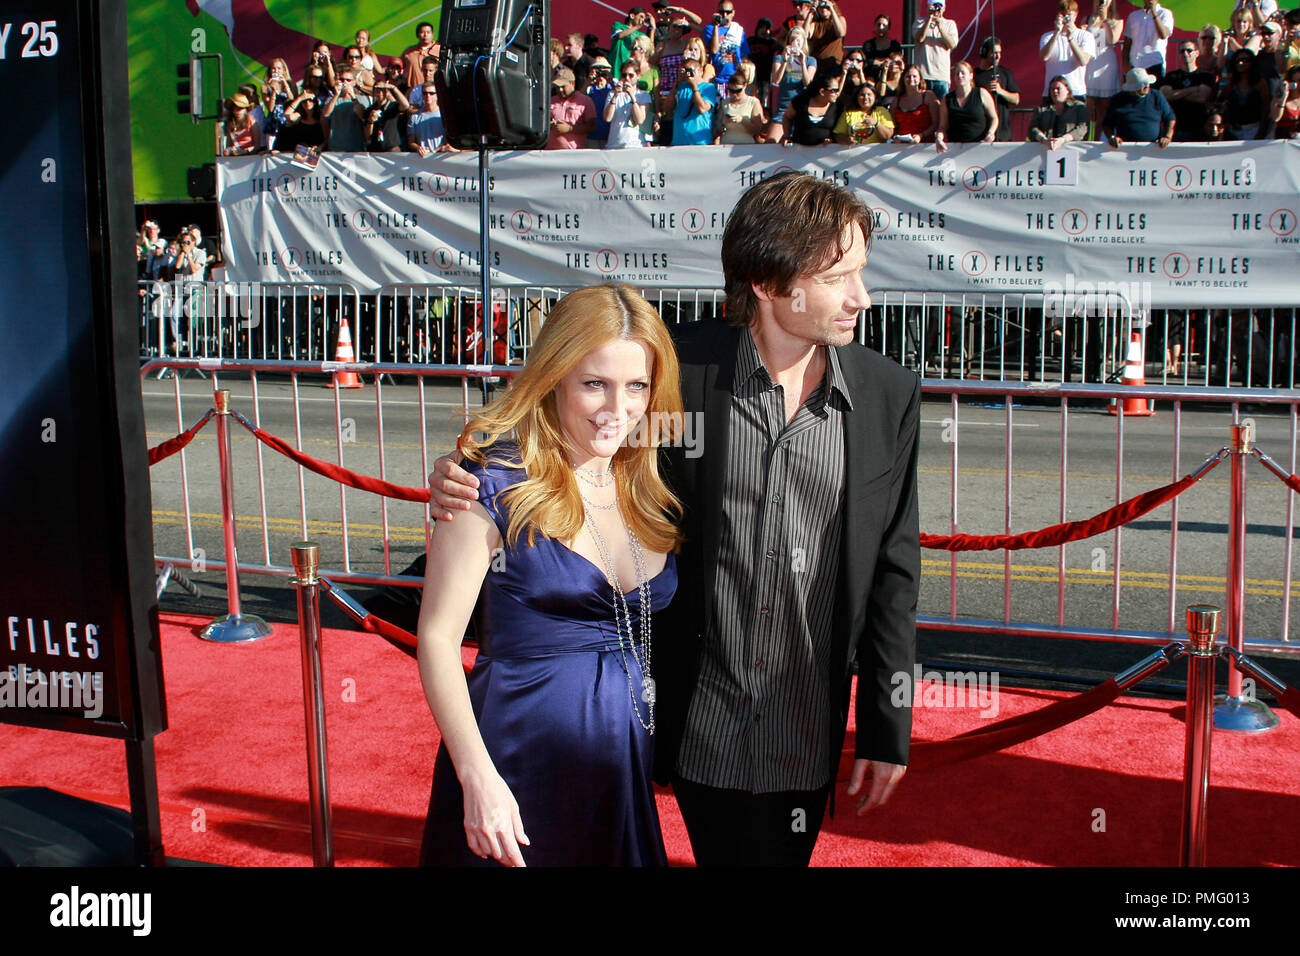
(238,629)
(1243,716)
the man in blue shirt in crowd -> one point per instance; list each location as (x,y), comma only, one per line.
(726,41)
(693,111)
(1139,113)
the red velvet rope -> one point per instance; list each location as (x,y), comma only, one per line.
(377,625)
(1122,513)
(172,445)
(929,754)
(336,472)
(1014,730)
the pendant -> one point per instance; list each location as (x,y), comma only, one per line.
(648,690)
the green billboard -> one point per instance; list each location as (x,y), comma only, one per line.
(246,34)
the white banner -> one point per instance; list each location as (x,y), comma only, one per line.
(1182,226)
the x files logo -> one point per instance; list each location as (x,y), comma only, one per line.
(1178,178)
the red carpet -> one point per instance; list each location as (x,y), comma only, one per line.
(232,770)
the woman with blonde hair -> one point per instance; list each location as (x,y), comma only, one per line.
(280,90)
(547,754)
(792,70)
(695,50)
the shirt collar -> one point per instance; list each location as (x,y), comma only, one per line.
(749,364)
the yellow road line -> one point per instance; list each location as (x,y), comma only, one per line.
(931,567)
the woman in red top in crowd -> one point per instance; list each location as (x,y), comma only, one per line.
(916,111)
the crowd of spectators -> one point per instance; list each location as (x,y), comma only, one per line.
(363,102)
(667,77)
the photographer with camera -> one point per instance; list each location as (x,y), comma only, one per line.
(573,114)
(344,116)
(696,98)
(322,59)
(600,90)
(935,37)
(627,111)
(726,41)
(1067,50)
(1285,108)
(826,32)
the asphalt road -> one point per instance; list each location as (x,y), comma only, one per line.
(978,434)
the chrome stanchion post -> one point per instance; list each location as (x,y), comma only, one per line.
(306,564)
(1236,711)
(1202,627)
(236,627)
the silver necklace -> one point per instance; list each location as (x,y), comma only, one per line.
(638,643)
(591,504)
(597,479)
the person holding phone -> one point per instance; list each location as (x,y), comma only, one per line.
(1285,108)
(935,37)
(1067,50)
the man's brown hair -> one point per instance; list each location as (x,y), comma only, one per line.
(788,226)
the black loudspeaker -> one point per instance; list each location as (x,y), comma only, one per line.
(494,78)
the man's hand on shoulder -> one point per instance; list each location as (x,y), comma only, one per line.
(452,488)
(884,777)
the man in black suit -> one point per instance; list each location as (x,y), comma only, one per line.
(802,552)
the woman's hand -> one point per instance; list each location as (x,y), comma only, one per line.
(493,827)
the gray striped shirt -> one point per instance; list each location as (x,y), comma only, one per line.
(760,715)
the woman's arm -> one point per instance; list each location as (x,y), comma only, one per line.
(884,124)
(457,563)
(991,111)
(941,130)
(778,69)
(932,103)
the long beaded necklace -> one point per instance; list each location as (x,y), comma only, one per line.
(640,649)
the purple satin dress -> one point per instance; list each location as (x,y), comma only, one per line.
(550,692)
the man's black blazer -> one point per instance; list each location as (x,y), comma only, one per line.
(880,566)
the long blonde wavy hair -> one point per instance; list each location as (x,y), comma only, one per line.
(549,500)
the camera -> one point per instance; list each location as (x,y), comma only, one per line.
(717,19)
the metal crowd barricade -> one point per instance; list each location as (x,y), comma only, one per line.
(1068,395)
(279,482)
(363,537)
(1019,335)
(1245,345)
(1068,334)
(250,320)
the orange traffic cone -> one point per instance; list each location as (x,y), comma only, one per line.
(343,353)
(1134,374)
